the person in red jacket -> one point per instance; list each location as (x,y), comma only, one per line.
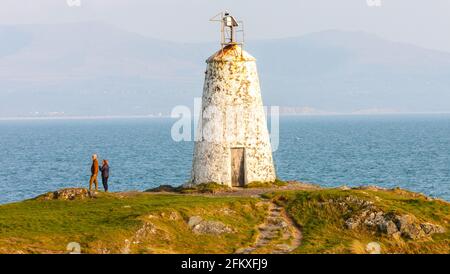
(94,173)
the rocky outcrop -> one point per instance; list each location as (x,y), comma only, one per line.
(164,188)
(67,194)
(200,226)
(370,187)
(365,215)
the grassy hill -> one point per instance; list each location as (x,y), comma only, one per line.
(322,215)
(224,222)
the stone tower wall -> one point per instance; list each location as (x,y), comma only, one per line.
(232,117)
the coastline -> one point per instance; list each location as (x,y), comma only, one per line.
(165,116)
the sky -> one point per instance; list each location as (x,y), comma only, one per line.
(419,22)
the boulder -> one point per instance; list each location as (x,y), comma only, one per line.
(194,220)
(404,221)
(200,226)
(408,226)
(164,188)
(388,227)
(68,194)
(211,227)
(374,219)
(373,248)
(430,228)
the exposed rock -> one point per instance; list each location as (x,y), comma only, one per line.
(172,215)
(408,227)
(67,194)
(351,223)
(373,248)
(194,220)
(372,188)
(374,220)
(146,229)
(430,228)
(364,214)
(200,226)
(164,188)
(404,220)
(211,227)
(343,188)
(388,227)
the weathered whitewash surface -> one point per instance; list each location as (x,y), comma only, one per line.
(232,117)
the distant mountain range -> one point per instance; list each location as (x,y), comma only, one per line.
(96,69)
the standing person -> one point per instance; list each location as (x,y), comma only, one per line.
(105,174)
(94,173)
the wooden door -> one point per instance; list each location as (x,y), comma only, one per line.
(237,166)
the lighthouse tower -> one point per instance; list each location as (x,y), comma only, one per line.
(232,145)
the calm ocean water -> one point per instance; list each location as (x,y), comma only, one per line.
(410,151)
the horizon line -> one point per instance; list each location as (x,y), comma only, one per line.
(107,117)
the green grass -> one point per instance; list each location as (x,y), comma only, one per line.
(204,188)
(276,183)
(323,227)
(213,187)
(103,224)
(194,189)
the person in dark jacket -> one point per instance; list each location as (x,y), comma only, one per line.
(105,174)
(94,173)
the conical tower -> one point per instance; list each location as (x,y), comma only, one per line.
(232,145)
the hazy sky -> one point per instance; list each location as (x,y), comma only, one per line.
(420,22)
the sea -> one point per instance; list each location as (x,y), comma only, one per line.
(407,151)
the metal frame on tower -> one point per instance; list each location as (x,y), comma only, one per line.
(229,27)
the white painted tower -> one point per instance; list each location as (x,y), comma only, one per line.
(232,145)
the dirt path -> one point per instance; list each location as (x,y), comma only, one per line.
(276,235)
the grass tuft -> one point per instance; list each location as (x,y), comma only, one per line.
(257,184)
